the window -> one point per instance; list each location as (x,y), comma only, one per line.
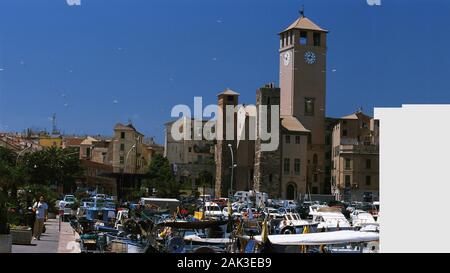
(344,132)
(347,163)
(122,160)
(315,177)
(316,38)
(303,38)
(297,166)
(347,181)
(309,106)
(190,149)
(122,147)
(287,167)
(122,135)
(297,139)
(88,152)
(368,164)
(288,139)
(368,178)
(230,98)
(315,190)
(315,160)
(270,177)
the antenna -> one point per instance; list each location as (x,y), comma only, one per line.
(54,128)
(302,11)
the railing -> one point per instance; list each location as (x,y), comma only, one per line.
(359,149)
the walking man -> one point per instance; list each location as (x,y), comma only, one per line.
(41,210)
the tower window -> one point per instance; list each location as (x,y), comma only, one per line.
(122,135)
(344,132)
(297,139)
(316,38)
(122,147)
(368,182)
(297,166)
(230,98)
(303,39)
(288,139)
(287,167)
(368,164)
(347,181)
(315,160)
(347,163)
(309,106)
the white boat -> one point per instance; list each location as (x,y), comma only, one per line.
(364,221)
(343,241)
(292,223)
(329,218)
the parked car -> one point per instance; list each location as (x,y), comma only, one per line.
(212,210)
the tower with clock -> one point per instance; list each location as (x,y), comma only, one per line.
(302,52)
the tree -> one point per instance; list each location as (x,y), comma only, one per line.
(160,176)
(52,166)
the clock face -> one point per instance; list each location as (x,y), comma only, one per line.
(287,58)
(310,57)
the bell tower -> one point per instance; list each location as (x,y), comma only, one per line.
(303,75)
(303,49)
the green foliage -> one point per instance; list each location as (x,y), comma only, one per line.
(53,165)
(160,176)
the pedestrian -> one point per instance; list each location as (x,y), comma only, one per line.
(40,208)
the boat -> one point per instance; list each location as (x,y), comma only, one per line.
(291,223)
(329,218)
(364,221)
(343,241)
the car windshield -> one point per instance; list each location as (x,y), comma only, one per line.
(212,208)
(69,199)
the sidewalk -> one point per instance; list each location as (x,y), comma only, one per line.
(52,241)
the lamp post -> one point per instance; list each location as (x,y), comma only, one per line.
(232,170)
(21,152)
(125,165)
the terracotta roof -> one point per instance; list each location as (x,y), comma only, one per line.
(304,23)
(120,126)
(73,141)
(128,127)
(292,124)
(88,141)
(228,92)
(355,115)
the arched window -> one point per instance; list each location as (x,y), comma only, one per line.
(291,191)
(315,159)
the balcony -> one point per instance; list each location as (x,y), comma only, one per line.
(359,149)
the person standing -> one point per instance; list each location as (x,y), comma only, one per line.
(41,210)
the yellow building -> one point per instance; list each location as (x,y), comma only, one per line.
(48,141)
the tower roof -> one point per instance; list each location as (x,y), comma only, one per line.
(228,91)
(304,23)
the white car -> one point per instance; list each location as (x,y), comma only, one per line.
(235,213)
(212,210)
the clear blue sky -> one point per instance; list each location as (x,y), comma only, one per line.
(108,61)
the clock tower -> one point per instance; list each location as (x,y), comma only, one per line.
(303,47)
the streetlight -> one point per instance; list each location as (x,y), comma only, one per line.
(232,170)
(125,163)
(21,152)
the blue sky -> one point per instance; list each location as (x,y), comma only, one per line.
(109,61)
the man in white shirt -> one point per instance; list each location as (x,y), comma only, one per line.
(41,210)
